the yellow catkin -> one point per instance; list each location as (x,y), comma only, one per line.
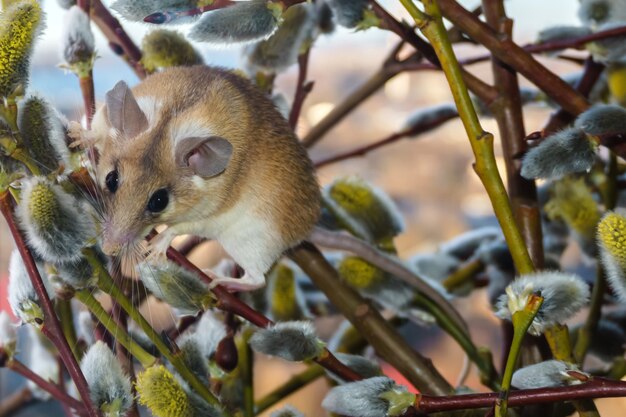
(359,273)
(617,83)
(284,304)
(354,196)
(18,28)
(43,206)
(573,202)
(163,48)
(162,394)
(612,235)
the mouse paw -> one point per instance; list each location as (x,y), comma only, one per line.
(158,246)
(79,137)
(248,282)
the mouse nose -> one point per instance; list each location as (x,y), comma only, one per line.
(111,248)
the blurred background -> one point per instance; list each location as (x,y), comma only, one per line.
(429,178)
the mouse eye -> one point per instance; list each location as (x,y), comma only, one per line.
(158,201)
(111,181)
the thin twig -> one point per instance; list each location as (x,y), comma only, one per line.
(303,88)
(51,326)
(512,54)
(56,392)
(508,112)
(117,36)
(394,137)
(596,388)
(379,333)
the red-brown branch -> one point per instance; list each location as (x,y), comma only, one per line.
(596,388)
(230,303)
(56,392)
(51,326)
(303,88)
(394,137)
(117,36)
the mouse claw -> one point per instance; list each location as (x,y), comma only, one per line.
(79,137)
(158,247)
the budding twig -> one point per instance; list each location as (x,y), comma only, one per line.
(51,326)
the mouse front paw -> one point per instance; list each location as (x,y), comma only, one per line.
(249,282)
(157,247)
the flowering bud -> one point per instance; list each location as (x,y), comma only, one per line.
(608,50)
(176,286)
(594,13)
(209,332)
(109,386)
(42,362)
(287,411)
(163,48)
(8,335)
(20,24)
(167,396)
(281,50)
(78,45)
(136,10)
(365,209)
(464,245)
(192,356)
(561,153)
(361,365)
(563,295)
(242,22)
(55,226)
(162,393)
(66,4)
(285,299)
(43,133)
(348,13)
(561,33)
(572,202)
(22,296)
(602,119)
(292,341)
(550,373)
(373,397)
(426,116)
(611,238)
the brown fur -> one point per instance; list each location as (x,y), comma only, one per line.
(267,159)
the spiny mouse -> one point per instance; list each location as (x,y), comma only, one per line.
(206,153)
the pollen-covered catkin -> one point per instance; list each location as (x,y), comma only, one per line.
(612,243)
(20,24)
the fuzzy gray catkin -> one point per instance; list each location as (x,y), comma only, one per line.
(242,22)
(57,225)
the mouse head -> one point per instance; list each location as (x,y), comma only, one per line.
(148,178)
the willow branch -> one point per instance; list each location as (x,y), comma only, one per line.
(378,332)
(52,389)
(303,88)
(51,325)
(394,137)
(512,54)
(483,90)
(117,36)
(481,142)
(508,112)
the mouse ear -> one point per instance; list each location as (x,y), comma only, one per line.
(123,112)
(207,157)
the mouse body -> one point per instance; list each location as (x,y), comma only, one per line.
(203,151)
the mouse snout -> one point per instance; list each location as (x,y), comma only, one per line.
(114,242)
